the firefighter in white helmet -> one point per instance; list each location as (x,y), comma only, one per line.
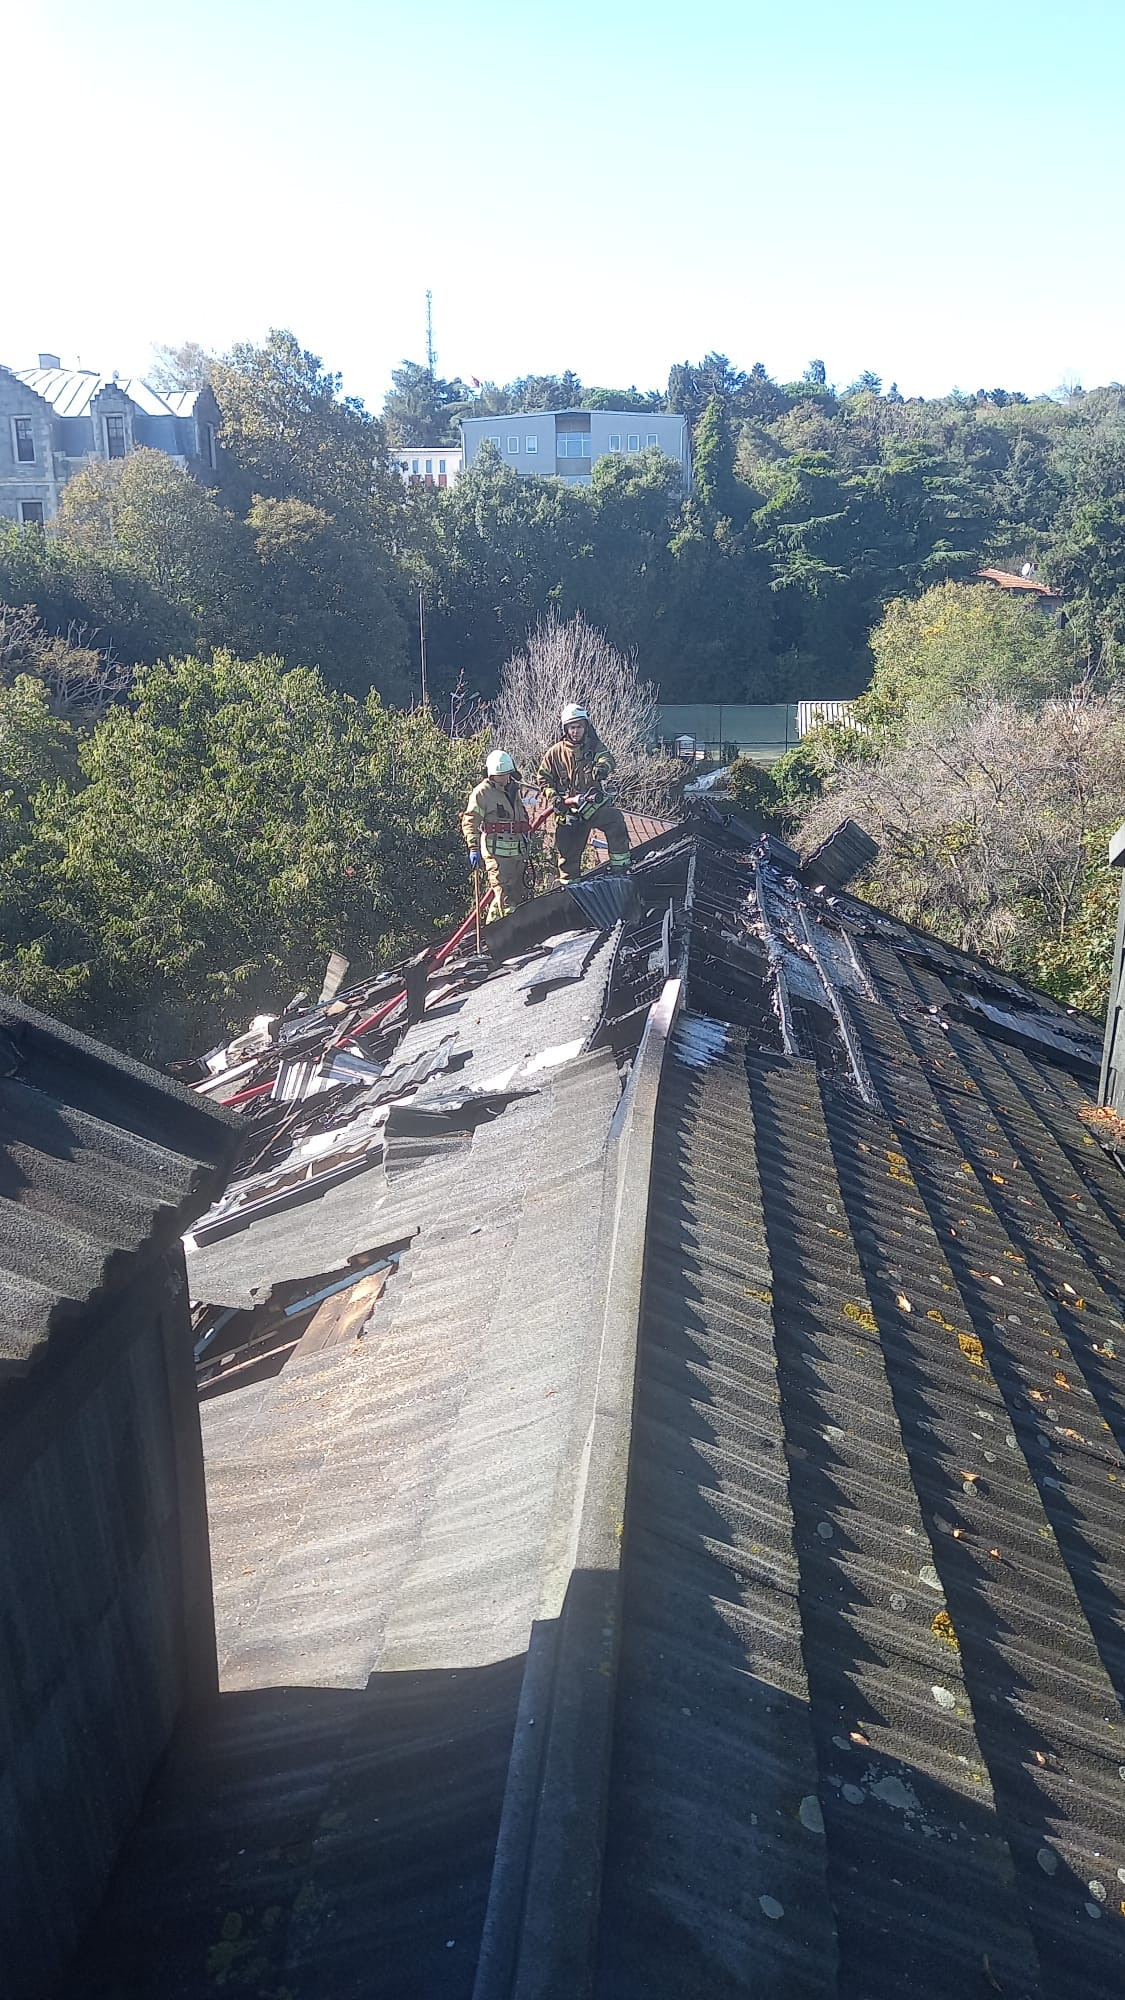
(496,831)
(574,774)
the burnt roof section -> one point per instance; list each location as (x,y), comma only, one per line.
(102,1159)
(870,1714)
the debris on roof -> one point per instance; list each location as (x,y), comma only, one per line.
(838,1714)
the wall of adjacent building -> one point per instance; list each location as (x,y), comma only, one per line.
(106,1618)
(38,481)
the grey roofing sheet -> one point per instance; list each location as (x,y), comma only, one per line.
(875,1555)
(97,1156)
(71,391)
(380,1516)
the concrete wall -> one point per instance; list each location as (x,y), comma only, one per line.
(106,1619)
(608,431)
(37,481)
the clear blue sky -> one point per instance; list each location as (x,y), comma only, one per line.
(934,191)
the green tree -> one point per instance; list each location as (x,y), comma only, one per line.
(421,408)
(236,822)
(963,642)
(166,528)
(294,434)
(327,598)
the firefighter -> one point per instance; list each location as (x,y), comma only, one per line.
(495,827)
(573,775)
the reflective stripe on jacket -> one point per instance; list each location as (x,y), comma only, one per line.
(569,768)
(495,819)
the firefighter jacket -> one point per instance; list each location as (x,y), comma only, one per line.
(495,819)
(568,769)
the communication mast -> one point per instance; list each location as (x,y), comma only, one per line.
(431,357)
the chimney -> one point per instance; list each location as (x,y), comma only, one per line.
(49,361)
(1111,1089)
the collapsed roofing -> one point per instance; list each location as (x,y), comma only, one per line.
(842,1715)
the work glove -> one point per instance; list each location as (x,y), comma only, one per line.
(474,858)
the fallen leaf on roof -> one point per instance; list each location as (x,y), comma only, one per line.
(1060,1380)
(903,1302)
(995,1554)
(857,1736)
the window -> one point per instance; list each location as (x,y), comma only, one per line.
(634,441)
(651,438)
(31,513)
(573,444)
(615,440)
(513,444)
(212,450)
(24,438)
(495,441)
(429,465)
(441,466)
(414,465)
(115,437)
(531,444)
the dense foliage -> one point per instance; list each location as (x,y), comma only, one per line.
(812,510)
(183,842)
(194,857)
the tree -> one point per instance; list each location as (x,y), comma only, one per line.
(294,434)
(327,598)
(161,521)
(567,660)
(235,823)
(993,825)
(962,642)
(713,455)
(187,366)
(421,408)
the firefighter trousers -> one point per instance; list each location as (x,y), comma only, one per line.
(571,837)
(509,877)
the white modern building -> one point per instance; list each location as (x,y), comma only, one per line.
(567,444)
(426,464)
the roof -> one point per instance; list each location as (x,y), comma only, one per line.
(497,417)
(101,1159)
(816,1285)
(72,391)
(1008,581)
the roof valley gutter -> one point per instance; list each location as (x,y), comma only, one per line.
(776,959)
(541,1925)
(847,1035)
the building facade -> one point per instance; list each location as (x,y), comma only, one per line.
(426,464)
(567,444)
(54,421)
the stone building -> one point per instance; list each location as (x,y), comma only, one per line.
(55,420)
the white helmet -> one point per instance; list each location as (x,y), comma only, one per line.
(499,764)
(573,713)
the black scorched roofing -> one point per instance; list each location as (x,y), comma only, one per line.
(98,1154)
(871,1716)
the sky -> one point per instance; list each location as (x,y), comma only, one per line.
(932,191)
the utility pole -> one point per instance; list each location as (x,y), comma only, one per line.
(422,645)
(431,357)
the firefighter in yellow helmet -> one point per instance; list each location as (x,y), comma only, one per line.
(495,827)
(573,776)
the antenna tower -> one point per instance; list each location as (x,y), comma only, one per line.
(431,357)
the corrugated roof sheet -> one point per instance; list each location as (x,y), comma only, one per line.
(97,1156)
(71,391)
(1008,581)
(874,1575)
